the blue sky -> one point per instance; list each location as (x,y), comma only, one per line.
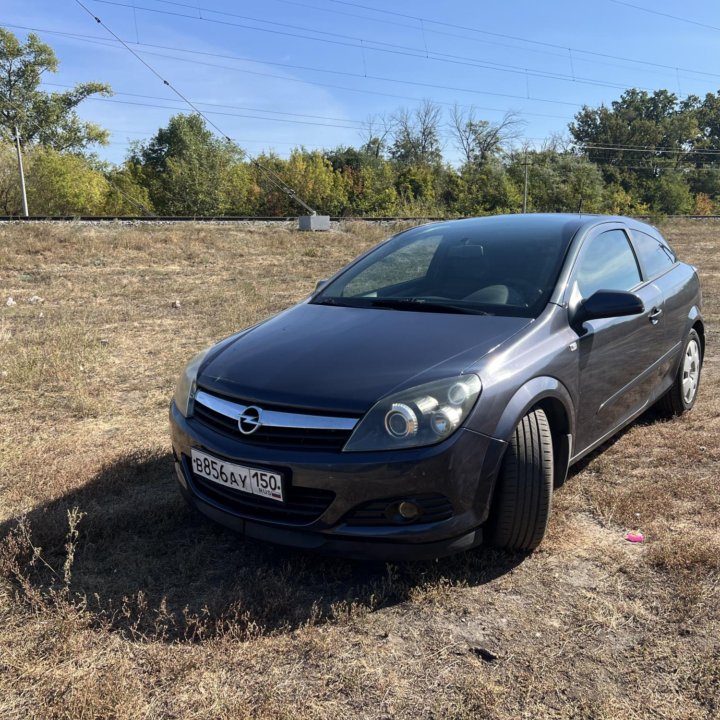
(327,65)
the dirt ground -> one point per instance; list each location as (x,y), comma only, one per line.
(117,602)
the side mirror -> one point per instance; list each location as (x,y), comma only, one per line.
(608,304)
(320,284)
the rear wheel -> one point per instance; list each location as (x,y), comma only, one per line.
(523,497)
(681,397)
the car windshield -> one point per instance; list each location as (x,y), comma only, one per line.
(484,266)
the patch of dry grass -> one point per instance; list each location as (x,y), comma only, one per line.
(144,610)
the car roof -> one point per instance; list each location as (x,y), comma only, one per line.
(543,221)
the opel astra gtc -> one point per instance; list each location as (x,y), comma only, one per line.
(432,393)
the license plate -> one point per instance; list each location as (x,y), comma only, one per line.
(252,481)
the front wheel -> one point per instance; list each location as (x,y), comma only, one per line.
(681,397)
(523,496)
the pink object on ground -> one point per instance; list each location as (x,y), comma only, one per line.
(637,537)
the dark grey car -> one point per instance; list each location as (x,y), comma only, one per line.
(433,393)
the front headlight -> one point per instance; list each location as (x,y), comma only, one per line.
(187,384)
(423,415)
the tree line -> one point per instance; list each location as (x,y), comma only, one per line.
(645,153)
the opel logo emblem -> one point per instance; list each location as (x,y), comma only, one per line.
(250,420)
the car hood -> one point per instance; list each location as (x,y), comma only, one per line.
(344,359)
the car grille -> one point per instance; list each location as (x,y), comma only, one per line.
(301,507)
(277,437)
(433,508)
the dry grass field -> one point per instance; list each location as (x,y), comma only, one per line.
(117,602)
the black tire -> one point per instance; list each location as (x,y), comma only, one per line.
(523,495)
(675,401)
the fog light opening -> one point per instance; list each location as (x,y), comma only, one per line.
(408,510)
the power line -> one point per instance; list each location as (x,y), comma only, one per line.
(129,198)
(648,149)
(367,77)
(417,83)
(589,146)
(392,48)
(150,68)
(93,39)
(582,145)
(667,15)
(269,173)
(231,107)
(563,49)
(267,144)
(528,40)
(225,114)
(193,105)
(167,107)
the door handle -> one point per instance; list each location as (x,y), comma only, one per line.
(654,315)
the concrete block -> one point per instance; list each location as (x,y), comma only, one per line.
(314,222)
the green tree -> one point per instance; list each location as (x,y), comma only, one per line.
(239,191)
(376,193)
(643,140)
(184,167)
(9,185)
(559,181)
(619,201)
(704,179)
(670,193)
(310,175)
(126,193)
(486,189)
(637,121)
(47,119)
(416,136)
(64,184)
(343,157)
(480,140)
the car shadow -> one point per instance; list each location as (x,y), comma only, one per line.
(651,416)
(146,565)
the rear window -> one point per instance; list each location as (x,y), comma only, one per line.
(655,257)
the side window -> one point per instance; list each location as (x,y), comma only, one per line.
(408,263)
(607,263)
(654,256)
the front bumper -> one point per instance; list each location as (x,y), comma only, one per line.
(462,469)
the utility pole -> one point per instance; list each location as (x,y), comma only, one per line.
(22,172)
(526,183)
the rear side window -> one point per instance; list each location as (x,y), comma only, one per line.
(607,263)
(654,256)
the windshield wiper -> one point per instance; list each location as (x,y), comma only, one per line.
(339,302)
(326,301)
(422,305)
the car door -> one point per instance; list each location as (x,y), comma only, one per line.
(678,284)
(616,356)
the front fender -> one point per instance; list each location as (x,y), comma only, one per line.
(530,394)
(559,407)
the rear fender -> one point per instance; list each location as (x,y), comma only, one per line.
(694,318)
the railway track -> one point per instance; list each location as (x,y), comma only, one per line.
(239,219)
